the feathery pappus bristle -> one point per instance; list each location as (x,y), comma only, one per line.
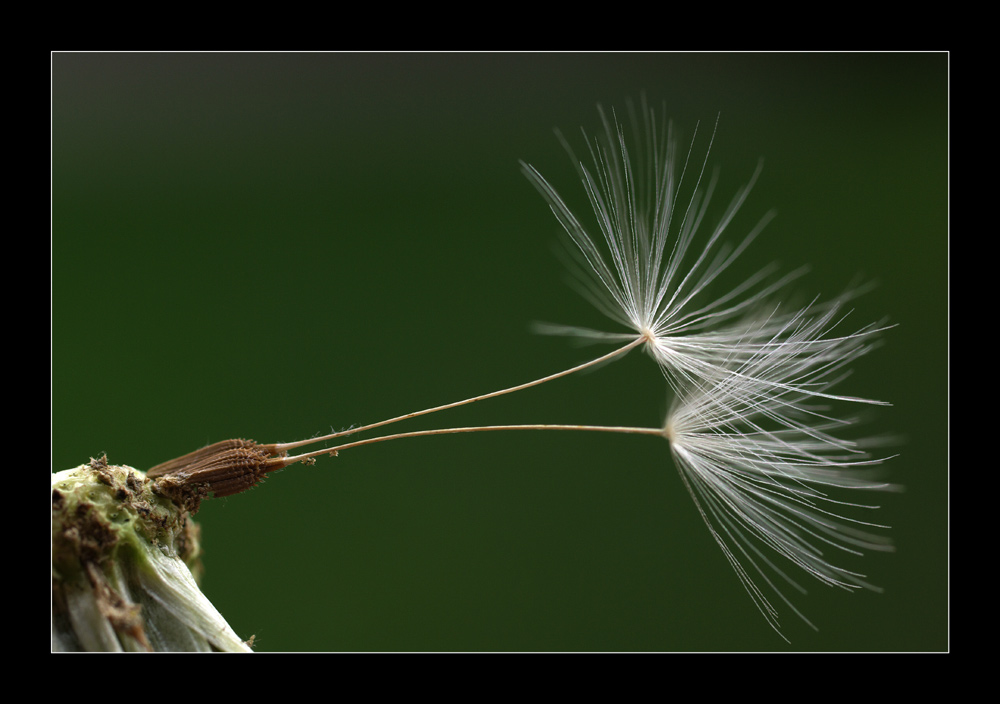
(650,258)
(768,461)
(755,426)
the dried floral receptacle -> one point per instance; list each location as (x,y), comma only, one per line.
(124,564)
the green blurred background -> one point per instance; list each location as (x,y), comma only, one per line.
(271,245)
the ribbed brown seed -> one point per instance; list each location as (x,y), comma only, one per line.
(224,468)
(197,456)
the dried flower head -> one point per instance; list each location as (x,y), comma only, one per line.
(122,560)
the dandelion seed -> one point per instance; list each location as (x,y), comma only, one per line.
(766,471)
(766,459)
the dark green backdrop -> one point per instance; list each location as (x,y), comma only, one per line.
(269,245)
